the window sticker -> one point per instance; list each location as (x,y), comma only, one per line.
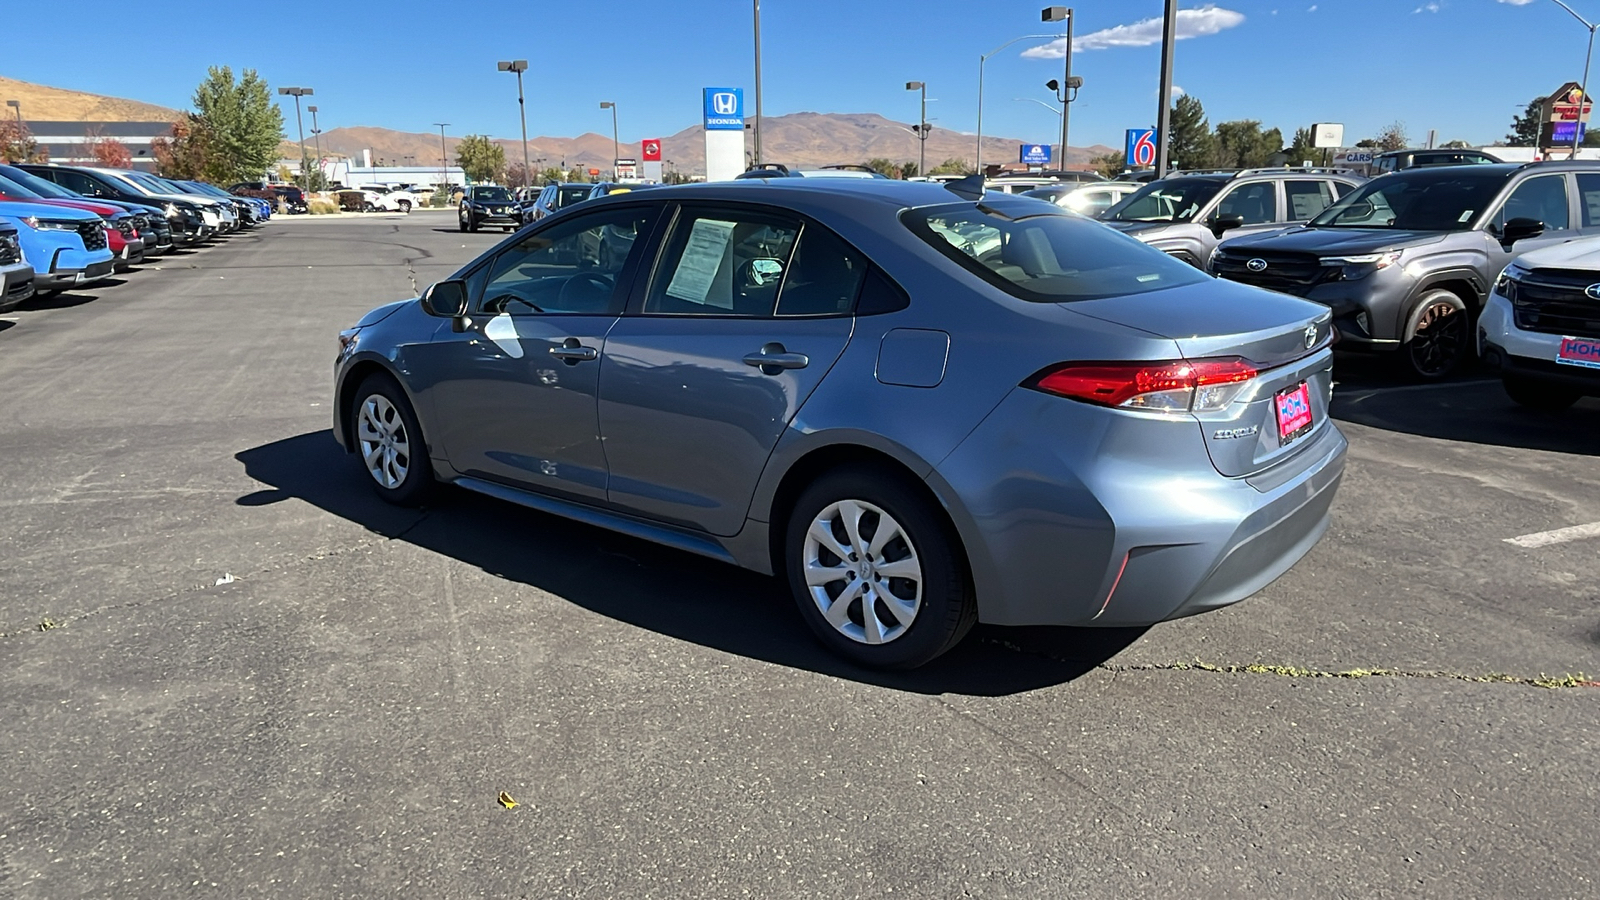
(1466,215)
(702,258)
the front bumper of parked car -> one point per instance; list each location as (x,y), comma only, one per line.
(16,285)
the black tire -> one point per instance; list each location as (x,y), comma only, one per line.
(1440,337)
(405,207)
(947,609)
(461,222)
(1539,395)
(417,482)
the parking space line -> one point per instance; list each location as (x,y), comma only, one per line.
(1558,536)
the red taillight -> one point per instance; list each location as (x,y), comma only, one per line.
(1168,386)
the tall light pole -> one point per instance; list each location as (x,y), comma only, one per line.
(444,163)
(316,134)
(297,93)
(607,104)
(758,81)
(1169,41)
(922,127)
(981,60)
(16,105)
(519,66)
(1058,14)
(1583,86)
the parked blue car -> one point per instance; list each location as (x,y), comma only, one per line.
(16,276)
(67,248)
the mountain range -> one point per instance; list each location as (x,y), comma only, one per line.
(803,138)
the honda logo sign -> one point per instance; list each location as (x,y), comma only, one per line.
(724,109)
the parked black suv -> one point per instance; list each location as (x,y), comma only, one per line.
(1396,160)
(491,205)
(1407,260)
(293,199)
(183,217)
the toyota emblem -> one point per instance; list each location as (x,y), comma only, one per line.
(1311,336)
(1256,265)
(1592,292)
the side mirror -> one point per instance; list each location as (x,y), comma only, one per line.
(446,299)
(1220,224)
(1519,228)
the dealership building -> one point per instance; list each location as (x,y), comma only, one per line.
(68,142)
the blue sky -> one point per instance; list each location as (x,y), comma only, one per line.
(1461,66)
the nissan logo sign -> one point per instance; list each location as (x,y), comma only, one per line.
(1256,265)
(1592,292)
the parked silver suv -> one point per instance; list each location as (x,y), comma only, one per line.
(1407,261)
(1189,215)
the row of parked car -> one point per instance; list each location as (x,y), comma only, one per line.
(63,227)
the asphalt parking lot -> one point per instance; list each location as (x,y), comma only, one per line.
(227,669)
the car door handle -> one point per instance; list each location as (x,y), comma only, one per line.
(573,352)
(773,358)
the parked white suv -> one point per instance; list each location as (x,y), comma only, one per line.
(1541,326)
(396,199)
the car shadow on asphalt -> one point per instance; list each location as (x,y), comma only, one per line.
(1470,407)
(6,323)
(670,592)
(58,301)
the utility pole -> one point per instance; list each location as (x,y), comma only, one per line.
(922,128)
(316,134)
(297,93)
(615,144)
(758,81)
(1169,38)
(444,163)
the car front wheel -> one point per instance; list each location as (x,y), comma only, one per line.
(405,206)
(876,570)
(389,441)
(1441,330)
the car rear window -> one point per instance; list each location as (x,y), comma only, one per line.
(1049,257)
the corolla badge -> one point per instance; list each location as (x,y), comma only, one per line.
(1311,336)
(1256,265)
(1592,292)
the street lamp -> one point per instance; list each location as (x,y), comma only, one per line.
(1583,87)
(444,163)
(758,81)
(922,128)
(297,93)
(16,105)
(519,66)
(1060,14)
(1169,44)
(607,104)
(316,135)
(981,60)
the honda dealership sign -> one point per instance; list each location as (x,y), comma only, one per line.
(724,127)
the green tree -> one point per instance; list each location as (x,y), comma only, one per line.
(482,159)
(1300,149)
(1525,128)
(1455,145)
(883,167)
(953,166)
(1110,165)
(1392,137)
(313,177)
(244,126)
(1192,146)
(1243,145)
(908,169)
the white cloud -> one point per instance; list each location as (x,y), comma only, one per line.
(1515,2)
(1208,19)
(1427,7)
(1313,8)
(1177,91)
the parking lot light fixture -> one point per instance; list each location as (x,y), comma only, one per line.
(519,66)
(615,151)
(316,134)
(1063,14)
(922,127)
(444,163)
(981,60)
(1583,86)
(16,105)
(297,93)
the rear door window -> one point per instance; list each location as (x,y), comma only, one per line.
(1307,198)
(723,262)
(1589,194)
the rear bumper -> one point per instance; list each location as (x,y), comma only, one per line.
(1076,515)
(16,285)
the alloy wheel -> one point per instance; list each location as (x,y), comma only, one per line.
(862,572)
(385,445)
(1440,339)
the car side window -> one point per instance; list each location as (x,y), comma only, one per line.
(1543,198)
(1307,198)
(572,268)
(824,276)
(1257,202)
(723,263)
(83,184)
(1589,192)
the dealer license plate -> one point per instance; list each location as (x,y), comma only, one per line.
(1293,407)
(1583,352)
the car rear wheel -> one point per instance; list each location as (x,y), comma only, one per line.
(405,206)
(876,570)
(389,441)
(1440,330)
(1539,395)
(461,222)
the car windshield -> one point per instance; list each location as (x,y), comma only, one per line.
(1168,200)
(150,183)
(491,193)
(570,194)
(1047,257)
(1416,200)
(14,189)
(38,185)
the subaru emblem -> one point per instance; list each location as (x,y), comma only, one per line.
(1311,336)
(1592,292)
(1256,265)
